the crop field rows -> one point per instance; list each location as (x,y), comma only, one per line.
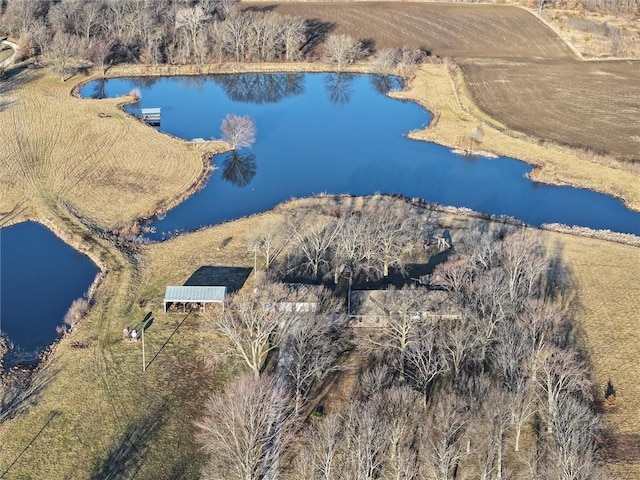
(444,29)
(594,104)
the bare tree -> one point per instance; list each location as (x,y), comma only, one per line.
(476,136)
(238,131)
(510,358)
(3,351)
(426,360)
(446,426)
(409,61)
(573,453)
(90,18)
(366,439)
(235,31)
(385,60)
(313,239)
(524,262)
(321,450)
(294,37)
(76,312)
(270,236)
(561,373)
(495,411)
(308,352)
(250,323)
(353,247)
(395,232)
(246,430)
(191,21)
(403,325)
(61,50)
(342,49)
(100,51)
(458,342)
(402,410)
(20,15)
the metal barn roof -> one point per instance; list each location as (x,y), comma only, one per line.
(194,294)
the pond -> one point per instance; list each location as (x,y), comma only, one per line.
(40,276)
(340,133)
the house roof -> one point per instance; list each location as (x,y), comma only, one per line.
(195,293)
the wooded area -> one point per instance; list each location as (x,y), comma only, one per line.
(499,391)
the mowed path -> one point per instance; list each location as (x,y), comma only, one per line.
(516,68)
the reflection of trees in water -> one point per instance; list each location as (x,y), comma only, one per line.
(338,87)
(385,83)
(193,81)
(144,82)
(99,89)
(239,168)
(261,87)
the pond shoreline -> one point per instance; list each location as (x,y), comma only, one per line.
(91,293)
(529,149)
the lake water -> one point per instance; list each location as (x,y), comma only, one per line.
(40,276)
(340,134)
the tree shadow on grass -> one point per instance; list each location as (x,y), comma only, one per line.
(15,78)
(231,277)
(316,33)
(126,455)
(22,390)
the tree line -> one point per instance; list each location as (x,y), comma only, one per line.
(153,31)
(106,32)
(497,391)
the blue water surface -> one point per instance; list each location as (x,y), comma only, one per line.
(339,133)
(40,276)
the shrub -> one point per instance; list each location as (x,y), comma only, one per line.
(76,312)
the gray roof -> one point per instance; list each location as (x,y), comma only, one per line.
(150,111)
(195,294)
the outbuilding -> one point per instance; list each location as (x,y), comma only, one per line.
(193,297)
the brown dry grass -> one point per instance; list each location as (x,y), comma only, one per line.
(105,164)
(597,34)
(606,275)
(518,70)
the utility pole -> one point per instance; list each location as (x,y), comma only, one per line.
(254,247)
(145,323)
(144,363)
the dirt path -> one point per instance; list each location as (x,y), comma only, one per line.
(8,61)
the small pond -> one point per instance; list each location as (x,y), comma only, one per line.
(40,276)
(339,133)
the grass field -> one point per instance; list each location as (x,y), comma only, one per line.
(503,52)
(87,154)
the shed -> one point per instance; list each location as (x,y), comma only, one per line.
(151,115)
(193,297)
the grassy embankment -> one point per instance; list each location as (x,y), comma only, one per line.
(109,417)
